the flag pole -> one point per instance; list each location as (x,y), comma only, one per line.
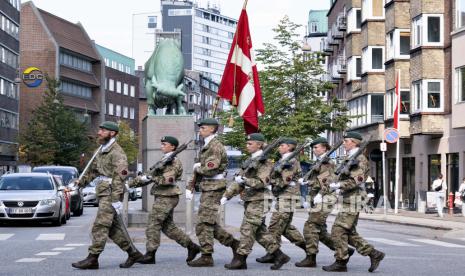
(396,209)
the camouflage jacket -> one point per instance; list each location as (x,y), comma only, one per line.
(164,182)
(255,185)
(352,184)
(111,162)
(319,182)
(213,161)
(285,183)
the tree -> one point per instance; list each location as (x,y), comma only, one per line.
(54,135)
(293,92)
(128,141)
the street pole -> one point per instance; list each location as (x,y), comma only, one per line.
(383,150)
(398,99)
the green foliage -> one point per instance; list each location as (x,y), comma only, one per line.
(54,135)
(128,141)
(292,92)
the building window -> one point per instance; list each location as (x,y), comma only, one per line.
(428,30)
(133,91)
(460,8)
(8,57)
(118,110)
(121,67)
(9,27)
(9,89)
(428,96)
(313,27)
(125,111)
(113,64)
(460,84)
(9,119)
(110,109)
(434,168)
(354,68)
(118,87)
(404,103)
(125,89)
(76,90)
(75,62)
(131,113)
(372,9)
(111,85)
(398,44)
(373,59)
(354,20)
(367,109)
(107,62)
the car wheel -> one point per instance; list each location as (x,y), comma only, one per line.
(79,211)
(58,221)
(63,219)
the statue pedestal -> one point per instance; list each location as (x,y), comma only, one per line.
(153,128)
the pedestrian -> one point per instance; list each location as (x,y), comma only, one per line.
(462,195)
(166,198)
(284,177)
(108,172)
(440,187)
(252,184)
(213,163)
(323,202)
(344,230)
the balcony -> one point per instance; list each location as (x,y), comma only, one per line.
(342,22)
(341,64)
(325,47)
(336,33)
(335,75)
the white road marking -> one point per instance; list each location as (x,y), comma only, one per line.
(439,243)
(75,244)
(390,242)
(48,253)
(30,260)
(63,248)
(4,237)
(51,237)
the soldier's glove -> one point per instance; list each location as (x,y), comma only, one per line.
(334,186)
(189,194)
(239,179)
(305,205)
(144,178)
(223,200)
(196,167)
(118,206)
(302,182)
(317,199)
(292,183)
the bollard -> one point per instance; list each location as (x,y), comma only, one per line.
(451,203)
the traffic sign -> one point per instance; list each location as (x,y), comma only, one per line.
(391,135)
(383,146)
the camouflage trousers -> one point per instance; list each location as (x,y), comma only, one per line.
(208,228)
(253,227)
(315,229)
(280,223)
(344,233)
(106,225)
(161,220)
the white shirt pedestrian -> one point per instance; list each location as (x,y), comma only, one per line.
(440,184)
(461,190)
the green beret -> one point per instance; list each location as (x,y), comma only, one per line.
(319,140)
(289,141)
(208,122)
(353,135)
(256,137)
(109,125)
(170,139)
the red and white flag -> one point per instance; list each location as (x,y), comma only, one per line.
(397,101)
(240,84)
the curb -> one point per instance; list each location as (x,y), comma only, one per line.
(409,224)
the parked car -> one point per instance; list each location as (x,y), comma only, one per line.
(68,175)
(32,196)
(89,195)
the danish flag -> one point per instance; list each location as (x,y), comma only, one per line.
(397,101)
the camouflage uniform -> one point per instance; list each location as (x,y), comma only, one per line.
(166,194)
(343,231)
(112,163)
(257,199)
(213,162)
(287,193)
(315,229)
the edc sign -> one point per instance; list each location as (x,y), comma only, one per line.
(33,77)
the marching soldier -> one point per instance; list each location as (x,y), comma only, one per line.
(166,194)
(285,190)
(323,200)
(213,163)
(108,171)
(344,230)
(253,184)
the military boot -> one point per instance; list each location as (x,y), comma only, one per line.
(238,262)
(234,246)
(351,252)
(279,259)
(205,260)
(91,262)
(375,258)
(267,259)
(148,258)
(337,266)
(309,261)
(192,251)
(133,256)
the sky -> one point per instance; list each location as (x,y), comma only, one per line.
(109,22)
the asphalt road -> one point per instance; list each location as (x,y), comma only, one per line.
(47,250)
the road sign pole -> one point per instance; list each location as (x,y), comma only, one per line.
(383,151)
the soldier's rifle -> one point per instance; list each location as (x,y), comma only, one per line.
(86,168)
(282,164)
(324,158)
(347,164)
(195,179)
(160,165)
(252,162)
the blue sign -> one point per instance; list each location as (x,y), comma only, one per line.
(391,135)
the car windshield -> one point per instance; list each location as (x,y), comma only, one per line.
(25,183)
(65,175)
